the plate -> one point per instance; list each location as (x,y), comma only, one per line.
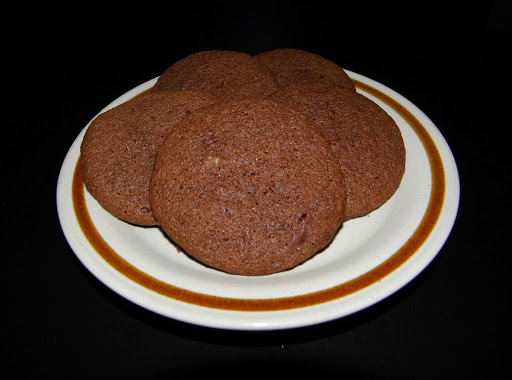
(369,259)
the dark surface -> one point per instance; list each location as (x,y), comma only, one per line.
(447,58)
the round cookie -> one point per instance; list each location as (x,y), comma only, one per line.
(366,140)
(292,66)
(224,74)
(119,148)
(248,187)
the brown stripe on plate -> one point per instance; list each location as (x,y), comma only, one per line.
(419,236)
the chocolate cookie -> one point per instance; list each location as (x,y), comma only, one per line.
(248,187)
(119,148)
(364,137)
(224,74)
(291,66)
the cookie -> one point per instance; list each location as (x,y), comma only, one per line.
(366,140)
(224,74)
(248,187)
(119,147)
(292,66)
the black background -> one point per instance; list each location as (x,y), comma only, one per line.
(448,58)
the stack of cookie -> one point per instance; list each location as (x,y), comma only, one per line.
(250,164)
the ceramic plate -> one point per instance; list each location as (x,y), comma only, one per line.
(370,258)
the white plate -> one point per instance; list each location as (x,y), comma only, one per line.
(370,258)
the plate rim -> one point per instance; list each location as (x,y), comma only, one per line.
(272,320)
